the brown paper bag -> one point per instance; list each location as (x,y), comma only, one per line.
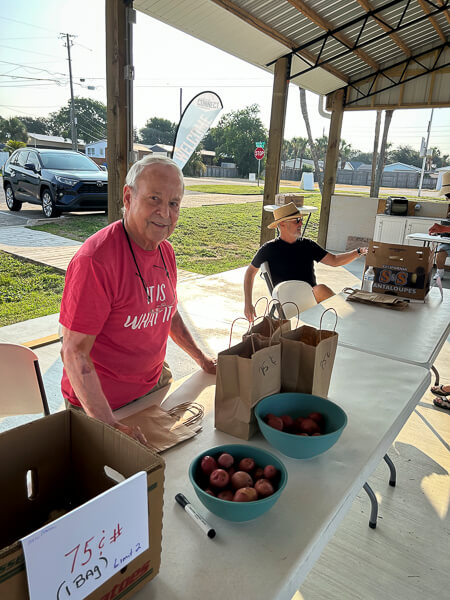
(163,429)
(269,327)
(246,373)
(307,359)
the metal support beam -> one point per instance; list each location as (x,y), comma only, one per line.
(116,103)
(276,132)
(331,161)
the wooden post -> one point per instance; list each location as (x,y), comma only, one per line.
(116,104)
(276,131)
(331,161)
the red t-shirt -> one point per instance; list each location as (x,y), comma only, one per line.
(103,296)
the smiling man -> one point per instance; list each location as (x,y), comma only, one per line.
(120,303)
(291,257)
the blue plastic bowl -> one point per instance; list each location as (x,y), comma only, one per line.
(301,405)
(238,511)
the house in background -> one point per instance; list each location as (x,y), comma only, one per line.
(98,151)
(52,142)
(166,150)
(399,166)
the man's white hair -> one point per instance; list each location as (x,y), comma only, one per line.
(137,168)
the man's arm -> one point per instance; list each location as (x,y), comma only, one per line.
(249,278)
(337,260)
(437,228)
(75,354)
(181,335)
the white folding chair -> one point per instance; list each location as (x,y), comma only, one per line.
(22,389)
(298,292)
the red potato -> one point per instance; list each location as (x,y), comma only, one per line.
(275,422)
(268,416)
(241,479)
(309,426)
(246,464)
(270,472)
(210,492)
(245,494)
(219,478)
(300,433)
(231,471)
(226,495)
(316,434)
(288,422)
(298,423)
(264,488)
(258,474)
(208,465)
(318,418)
(225,460)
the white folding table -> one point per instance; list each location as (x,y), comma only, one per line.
(415,335)
(270,557)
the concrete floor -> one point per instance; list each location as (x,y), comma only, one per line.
(406,557)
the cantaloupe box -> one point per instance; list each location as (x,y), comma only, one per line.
(400,270)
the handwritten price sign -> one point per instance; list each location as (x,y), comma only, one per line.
(74,555)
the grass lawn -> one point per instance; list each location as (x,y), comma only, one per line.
(27,291)
(240,190)
(207,239)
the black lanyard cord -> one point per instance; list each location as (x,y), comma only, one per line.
(137,266)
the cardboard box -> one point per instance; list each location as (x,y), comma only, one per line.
(400,270)
(67,453)
(282,199)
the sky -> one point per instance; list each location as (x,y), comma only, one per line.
(166,60)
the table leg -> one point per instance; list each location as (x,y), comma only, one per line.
(374,505)
(436,372)
(390,464)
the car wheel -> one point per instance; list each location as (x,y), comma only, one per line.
(48,205)
(11,202)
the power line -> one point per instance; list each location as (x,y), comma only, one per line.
(28,24)
(23,50)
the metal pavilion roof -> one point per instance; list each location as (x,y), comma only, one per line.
(385,53)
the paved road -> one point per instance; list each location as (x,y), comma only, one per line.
(31,212)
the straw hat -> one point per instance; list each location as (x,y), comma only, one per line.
(445,187)
(289,212)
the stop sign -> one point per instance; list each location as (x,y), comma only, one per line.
(259,153)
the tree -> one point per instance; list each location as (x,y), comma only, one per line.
(406,155)
(91,120)
(236,135)
(37,125)
(12,129)
(384,147)
(158,131)
(310,138)
(298,148)
(195,167)
(345,152)
(12,145)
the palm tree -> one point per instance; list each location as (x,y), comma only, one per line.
(345,153)
(310,138)
(383,154)
(12,145)
(298,145)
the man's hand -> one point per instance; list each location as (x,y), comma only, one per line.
(208,364)
(133,432)
(363,251)
(249,312)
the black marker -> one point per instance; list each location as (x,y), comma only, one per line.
(204,526)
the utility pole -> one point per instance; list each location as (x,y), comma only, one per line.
(425,154)
(73,117)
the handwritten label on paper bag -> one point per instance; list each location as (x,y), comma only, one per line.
(267,364)
(74,555)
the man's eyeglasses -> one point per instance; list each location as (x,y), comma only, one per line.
(297,220)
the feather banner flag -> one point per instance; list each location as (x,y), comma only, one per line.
(197,118)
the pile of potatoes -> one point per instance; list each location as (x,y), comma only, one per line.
(313,424)
(235,480)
